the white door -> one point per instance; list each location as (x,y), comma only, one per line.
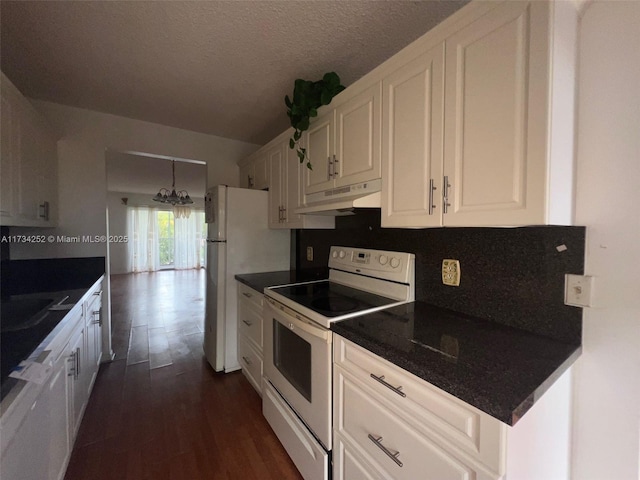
(214,328)
(357,143)
(495,117)
(413,115)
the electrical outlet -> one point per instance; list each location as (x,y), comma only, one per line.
(451,272)
(310,254)
(578,290)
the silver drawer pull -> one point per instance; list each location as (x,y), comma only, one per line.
(387,452)
(247,323)
(246,360)
(380,379)
(248,295)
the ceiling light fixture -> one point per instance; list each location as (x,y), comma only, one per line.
(177,199)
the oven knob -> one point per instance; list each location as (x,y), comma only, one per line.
(334,254)
(394,263)
(342,254)
(383,259)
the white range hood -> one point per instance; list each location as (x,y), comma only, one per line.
(342,200)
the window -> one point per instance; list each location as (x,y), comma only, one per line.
(161,241)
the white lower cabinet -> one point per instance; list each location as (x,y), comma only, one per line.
(40,424)
(250,334)
(389,424)
(392,445)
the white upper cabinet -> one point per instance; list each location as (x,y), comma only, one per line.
(412,126)
(29,163)
(254,171)
(496,116)
(319,141)
(357,138)
(343,143)
(505,154)
(285,192)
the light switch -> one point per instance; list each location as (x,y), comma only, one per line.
(451,272)
(578,290)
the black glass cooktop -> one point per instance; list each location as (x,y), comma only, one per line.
(332,299)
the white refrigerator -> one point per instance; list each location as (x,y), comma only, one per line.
(238,241)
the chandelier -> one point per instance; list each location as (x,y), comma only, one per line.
(177,199)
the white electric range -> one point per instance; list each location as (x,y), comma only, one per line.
(298,344)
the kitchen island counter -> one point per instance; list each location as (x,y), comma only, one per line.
(500,370)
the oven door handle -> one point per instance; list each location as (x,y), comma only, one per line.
(293,321)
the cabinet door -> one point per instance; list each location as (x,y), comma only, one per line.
(495,117)
(276,200)
(319,141)
(59,441)
(357,147)
(246,176)
(261,168)
(412,125)
(292,189)
(9,156)
(79,378)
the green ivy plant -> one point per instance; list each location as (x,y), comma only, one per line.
(308,96)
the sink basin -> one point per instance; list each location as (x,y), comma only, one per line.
(22,313)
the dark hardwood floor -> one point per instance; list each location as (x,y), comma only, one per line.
(159,411)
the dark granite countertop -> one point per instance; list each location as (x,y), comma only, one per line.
(260,281)
(19,345)
(500,370)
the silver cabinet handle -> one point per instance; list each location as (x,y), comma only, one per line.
(72,359)
(329,165)
(77,362)
(250,181)
(246,360)
(445,194)
(335,166)
(247,323)
(380,379)
(284,214)
(432,188)
(45,210)
(248,295)
(279,213)
(387,452)
(99,320)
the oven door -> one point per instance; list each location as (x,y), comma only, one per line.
(297,362)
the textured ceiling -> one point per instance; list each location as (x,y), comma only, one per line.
(218,67)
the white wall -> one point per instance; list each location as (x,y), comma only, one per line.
(606,437)
(85,137)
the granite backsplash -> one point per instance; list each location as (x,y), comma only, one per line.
(513,276)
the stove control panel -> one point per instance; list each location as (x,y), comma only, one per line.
(396,266)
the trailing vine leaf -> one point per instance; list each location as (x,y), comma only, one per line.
(308,96)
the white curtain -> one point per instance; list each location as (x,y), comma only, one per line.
(143,239)
(189,241)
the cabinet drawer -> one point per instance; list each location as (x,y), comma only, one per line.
(250,295)
(390,442)
(250,323)
(426,407)
(251,362)
(348,464)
